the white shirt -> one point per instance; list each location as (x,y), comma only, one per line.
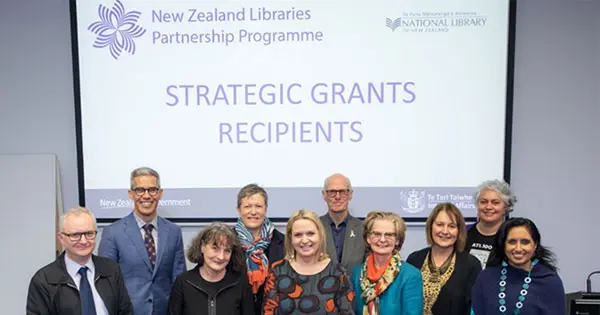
(154,223)
(73,269)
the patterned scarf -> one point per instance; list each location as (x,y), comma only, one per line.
(256,260)
(434,279)
(372,289)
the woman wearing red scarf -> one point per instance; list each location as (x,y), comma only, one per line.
(261,242)
(385,284)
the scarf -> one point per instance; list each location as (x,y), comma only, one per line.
(374,282)
(434,279)
(256,260)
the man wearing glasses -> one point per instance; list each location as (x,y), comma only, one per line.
(148,248)
(78,282)
(344,232)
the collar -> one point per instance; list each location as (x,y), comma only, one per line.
(278,237)
(344,222)
(231,278)
(57,272)
(141,222)
(73,267)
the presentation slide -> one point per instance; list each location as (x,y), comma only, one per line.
(406,98)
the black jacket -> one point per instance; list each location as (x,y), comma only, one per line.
(455,295)
(53,291)
(190,297)
(274,253)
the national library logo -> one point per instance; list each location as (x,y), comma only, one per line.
(435,22)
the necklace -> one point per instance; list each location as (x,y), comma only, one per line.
(502,294)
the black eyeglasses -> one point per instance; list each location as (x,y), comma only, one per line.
(140,191)
(89,235)
(333,192)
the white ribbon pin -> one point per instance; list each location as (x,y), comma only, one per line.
(352,233)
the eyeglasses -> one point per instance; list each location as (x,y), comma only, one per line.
(90,235)
(333,192)
(140,191)
(378,235)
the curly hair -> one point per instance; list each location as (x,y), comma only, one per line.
(543,254)
(219,234)
(502,188)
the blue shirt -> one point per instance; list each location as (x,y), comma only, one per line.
(338,233)
(73,270)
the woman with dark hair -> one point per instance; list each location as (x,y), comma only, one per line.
(449,272)
(218,284)
(521,275)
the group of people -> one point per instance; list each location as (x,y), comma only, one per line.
(333,264)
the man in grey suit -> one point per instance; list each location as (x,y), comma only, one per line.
(344,232)
(148,248)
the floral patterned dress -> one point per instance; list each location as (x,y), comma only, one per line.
(326,293)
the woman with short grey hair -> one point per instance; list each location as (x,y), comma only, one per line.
(494,201)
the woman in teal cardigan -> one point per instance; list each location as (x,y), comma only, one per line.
(384,284)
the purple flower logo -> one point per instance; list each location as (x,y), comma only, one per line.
(116,29)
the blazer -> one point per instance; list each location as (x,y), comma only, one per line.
(148,288)
(52,291)
(455,296)
(353,253)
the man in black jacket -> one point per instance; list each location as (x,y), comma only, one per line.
(77,282)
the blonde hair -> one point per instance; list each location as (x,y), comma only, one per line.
(452,211)
(304,214)
(399,225)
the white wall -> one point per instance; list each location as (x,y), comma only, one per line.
(556,147)
(18,172)
(555,138)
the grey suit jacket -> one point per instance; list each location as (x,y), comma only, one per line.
(353,253)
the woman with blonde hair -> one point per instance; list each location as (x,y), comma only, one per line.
(384,284)
(307,281)
(218,284)
(448,271)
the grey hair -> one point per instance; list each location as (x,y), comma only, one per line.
(502,188)
(143,171)
(74,212)
(348,183)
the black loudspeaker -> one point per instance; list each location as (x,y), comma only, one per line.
(587,304)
